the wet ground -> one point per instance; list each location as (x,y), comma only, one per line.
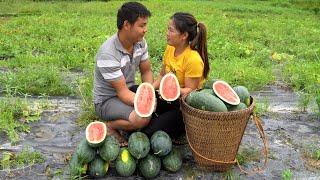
(291,135)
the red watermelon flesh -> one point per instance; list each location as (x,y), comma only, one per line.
(169,87)
(225,92)
(96,132)
(144,100)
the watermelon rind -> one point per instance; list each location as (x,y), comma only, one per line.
(219,94)
(161,87)
(206,102)
(96,143)
(161,143)
(243,94)
(85,152)
(238,107)
(109,151)
(138,145)
(98,167)
(150,166)
(125,164)
(76,167)
(173,161)
(136,100)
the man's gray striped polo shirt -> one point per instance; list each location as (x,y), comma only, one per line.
(113,61)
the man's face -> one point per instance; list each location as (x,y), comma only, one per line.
(138,29)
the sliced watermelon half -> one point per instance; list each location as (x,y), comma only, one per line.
(144,100)
(225,92)
(169,87)
(96,133)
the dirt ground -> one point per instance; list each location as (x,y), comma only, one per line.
(291,134)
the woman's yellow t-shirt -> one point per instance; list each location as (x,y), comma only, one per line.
(188,64)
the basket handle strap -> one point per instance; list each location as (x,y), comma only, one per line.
(258,124)
(214,161)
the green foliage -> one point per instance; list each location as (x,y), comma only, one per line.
(24,158)
(36,80)
(305,79)
(84,90)
(43,45)
(286,175)
(262,106)
(246,155)
(16,113)
(316,154)
(230,175)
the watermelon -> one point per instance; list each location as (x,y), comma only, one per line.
(240,106)
(161,143)
(150,166)
(96,133)
(206,102)
(208,83)
(76,168)
(224,91)
(173,161)
(144,100)
(125,163)
(138,145)
(85,152)
(243,94)
(169,87)
(110,149)
(209,91)
(98,167)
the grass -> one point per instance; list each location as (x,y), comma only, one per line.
(48,47)
(22,159)
(230,175)
(240,38)
(286,174)
(247,155)
(262,107)
(16,114)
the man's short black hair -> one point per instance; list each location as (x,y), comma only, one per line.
(131,11)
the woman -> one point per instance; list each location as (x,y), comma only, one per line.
(186,56)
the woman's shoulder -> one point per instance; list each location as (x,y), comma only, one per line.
(169,48)
(194,55)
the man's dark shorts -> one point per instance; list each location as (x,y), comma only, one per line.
(114,108)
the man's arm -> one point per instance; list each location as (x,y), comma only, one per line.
(122,91)
(146,73)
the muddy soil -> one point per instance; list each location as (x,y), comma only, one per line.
(291,134)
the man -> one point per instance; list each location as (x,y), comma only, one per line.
(116,64)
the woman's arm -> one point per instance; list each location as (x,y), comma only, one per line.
(190,85)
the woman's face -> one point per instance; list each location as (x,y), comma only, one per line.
(174,37)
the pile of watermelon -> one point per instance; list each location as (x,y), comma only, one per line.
(219,96)
(97,151)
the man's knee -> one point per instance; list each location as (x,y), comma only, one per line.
(138,122)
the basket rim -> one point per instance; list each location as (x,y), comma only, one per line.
(184,104)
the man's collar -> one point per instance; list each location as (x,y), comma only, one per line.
(118,44)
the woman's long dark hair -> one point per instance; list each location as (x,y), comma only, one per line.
(185,22)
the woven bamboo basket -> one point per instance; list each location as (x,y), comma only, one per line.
(214,137)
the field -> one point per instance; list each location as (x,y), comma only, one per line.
(48,48)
